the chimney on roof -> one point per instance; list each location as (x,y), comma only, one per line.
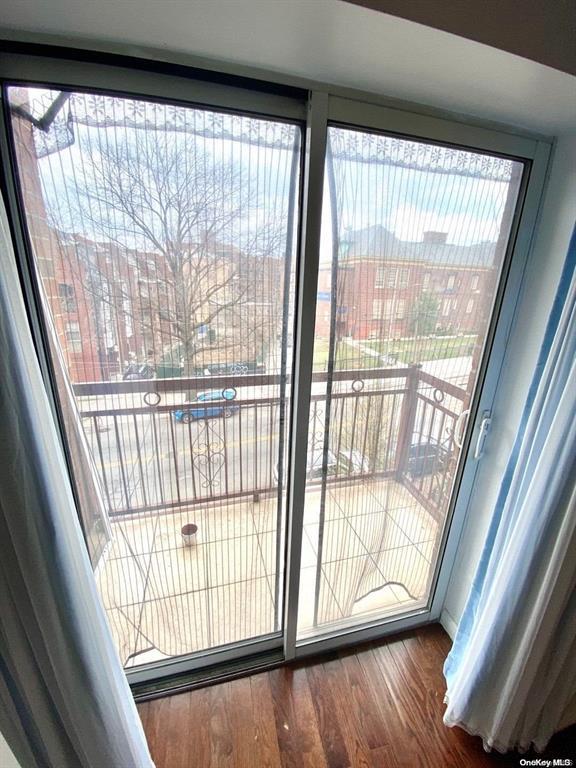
(435,238)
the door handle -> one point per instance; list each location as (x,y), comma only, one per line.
(458,433)
(484,428)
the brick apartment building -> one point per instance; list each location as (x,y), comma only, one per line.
(391,288)
(114,302)
(111,304)
(68,266)
(97,292)
(117,305)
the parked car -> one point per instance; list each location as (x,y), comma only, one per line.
(212,404)
(353,462)
(346,462)
(426,456)
(136,371)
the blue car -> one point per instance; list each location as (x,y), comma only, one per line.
(213,404)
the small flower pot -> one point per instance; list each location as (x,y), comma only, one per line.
(189,532)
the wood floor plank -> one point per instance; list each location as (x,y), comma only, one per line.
(349,722)
(425,702)
(241,719)
(199,727)
(379,706)
(436,636)
(412,738)
(389,718)
(144,713)
(178,733)
(325,707)
(312,751)
(420,648)
(221,740)
(296,723)
(268,751)
(362,701)
(285,716)
(384,757)
(155,729)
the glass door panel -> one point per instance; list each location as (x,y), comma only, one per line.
(163,241)
(413,243)
(163,244)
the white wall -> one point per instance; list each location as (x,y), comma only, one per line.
(324,40)
(543,271)
(7,759)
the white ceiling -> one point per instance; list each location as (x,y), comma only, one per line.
(325,40)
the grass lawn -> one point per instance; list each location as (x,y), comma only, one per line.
(320,354)
(406,351)
(347,357)
(421,349)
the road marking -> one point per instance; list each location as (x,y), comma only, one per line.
(111,464)
(236,443)
(146,458)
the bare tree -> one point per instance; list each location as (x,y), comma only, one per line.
(191,213)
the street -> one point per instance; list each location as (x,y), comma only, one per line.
(147,460)
(145,457)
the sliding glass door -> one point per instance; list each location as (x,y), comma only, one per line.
(163,244)
(414,237)
(272,335)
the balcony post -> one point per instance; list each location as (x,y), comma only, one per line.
(407,418)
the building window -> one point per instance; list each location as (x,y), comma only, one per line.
(469,306)
(426,281)
(451,282)
(401,309)
(475,281)
(388,309)
(445,308)
(376,309)
(380,281)
(404,277)
(74,337)
(67,297)
(127,311)
(391,277)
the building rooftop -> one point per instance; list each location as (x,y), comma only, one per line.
(379,242)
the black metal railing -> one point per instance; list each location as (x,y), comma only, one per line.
(155,447)
(427,466)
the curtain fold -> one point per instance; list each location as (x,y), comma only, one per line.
(64,698)
(511,674)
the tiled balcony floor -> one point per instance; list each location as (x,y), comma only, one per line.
(165,599)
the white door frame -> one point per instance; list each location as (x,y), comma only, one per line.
(326,104)
(535,154)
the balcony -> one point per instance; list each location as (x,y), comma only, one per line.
(371,531)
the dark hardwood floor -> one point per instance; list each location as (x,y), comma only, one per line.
(376,706)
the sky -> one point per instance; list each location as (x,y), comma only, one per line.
(407,202)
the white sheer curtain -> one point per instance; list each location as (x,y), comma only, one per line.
(64,699)
(511,673)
